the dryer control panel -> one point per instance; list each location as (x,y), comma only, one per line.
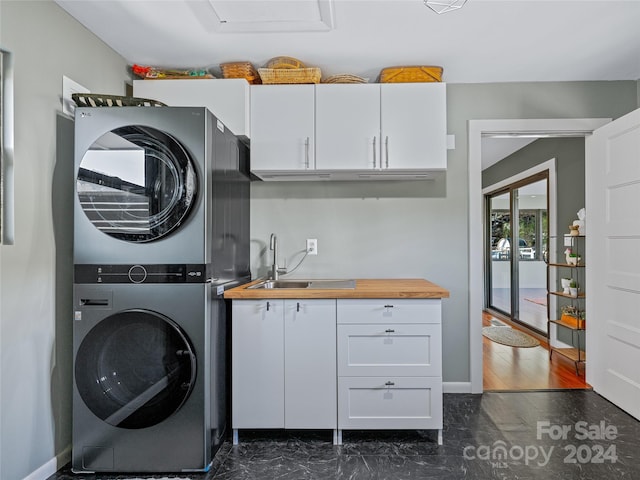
(128,273)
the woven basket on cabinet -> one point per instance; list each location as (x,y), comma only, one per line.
(411,74)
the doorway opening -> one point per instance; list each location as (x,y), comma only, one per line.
(524,207)
(533,128)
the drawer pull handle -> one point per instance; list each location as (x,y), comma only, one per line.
(389,330)
(388,306)
(390,384)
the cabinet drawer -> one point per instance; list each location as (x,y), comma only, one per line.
(392,349)
(419,310)
(390,403)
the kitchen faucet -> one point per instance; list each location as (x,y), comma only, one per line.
(275,270)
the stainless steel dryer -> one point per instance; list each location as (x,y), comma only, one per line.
(146,180)
(149,369)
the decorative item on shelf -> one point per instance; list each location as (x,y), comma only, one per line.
(153,73)
(573,316)
(288,70)
(581,222)
(240,70)
(100,100)
(565,285)
(574,230)
(411,74)
(344,78)
(573,289)
(572,258)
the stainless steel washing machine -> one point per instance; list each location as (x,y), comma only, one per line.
(149,390)
(158,185)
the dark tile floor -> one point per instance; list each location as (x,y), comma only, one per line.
(498,435)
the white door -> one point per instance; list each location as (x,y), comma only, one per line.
(310,364)
(282,127)
(348,127)
(414,126)
(613,261)
(257,364)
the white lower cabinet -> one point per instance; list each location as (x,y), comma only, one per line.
(390,403)
(389,364)
(389,349)
(283,364)
(337,364)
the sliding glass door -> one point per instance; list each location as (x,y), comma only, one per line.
(517,236)
(500,241)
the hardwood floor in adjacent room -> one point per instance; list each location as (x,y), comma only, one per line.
(511,368)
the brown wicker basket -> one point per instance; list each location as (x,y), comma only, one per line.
(240,70)
(415,74)
(344,78)
(290,75)
(285,62)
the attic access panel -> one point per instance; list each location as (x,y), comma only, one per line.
(273,15)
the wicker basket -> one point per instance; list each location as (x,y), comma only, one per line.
(344,78)
(285,62)
(416,74)
(290,75)
(240,70)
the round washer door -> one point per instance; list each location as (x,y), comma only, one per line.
(136,183)
(135,369)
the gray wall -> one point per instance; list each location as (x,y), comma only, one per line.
(35,273)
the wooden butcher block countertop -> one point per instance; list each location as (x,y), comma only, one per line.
(364,288)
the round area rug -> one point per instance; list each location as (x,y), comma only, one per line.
(510,337)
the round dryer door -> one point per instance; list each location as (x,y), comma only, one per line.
(135,369)
(136,183)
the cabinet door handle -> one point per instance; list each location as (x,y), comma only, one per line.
(297,306)
(374,153)
(389,330)
(386,150)
(389,384)
(268,306)
(306,153)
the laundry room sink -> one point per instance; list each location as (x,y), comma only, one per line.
(311,284)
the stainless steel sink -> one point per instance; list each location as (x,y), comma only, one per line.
(312,284)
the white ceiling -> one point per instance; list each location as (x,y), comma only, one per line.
(485,41)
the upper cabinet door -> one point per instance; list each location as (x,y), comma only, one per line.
(282,127)
(228,99)
(347,127)
(414,126)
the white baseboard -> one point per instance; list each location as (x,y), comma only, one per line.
(456,387)
(52,466)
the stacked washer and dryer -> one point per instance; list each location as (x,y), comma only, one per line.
(161,229)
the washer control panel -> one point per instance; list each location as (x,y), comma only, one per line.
(127,273)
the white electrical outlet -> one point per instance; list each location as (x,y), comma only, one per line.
(312,246)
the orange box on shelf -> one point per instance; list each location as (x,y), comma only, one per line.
(573,321)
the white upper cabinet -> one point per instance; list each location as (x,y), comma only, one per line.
(348,131)
(347,127)
(228,99)
(282,128)
(413,118)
